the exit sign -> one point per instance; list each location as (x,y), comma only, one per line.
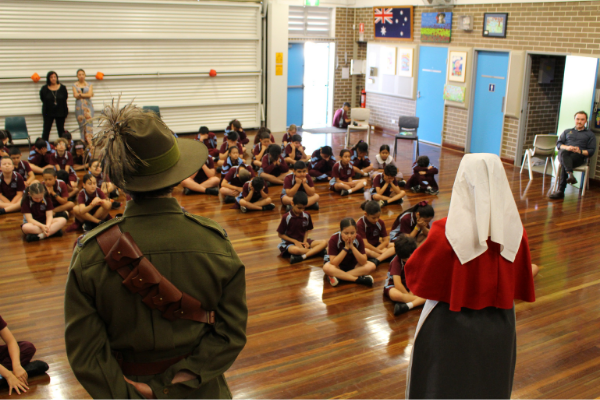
(311,2)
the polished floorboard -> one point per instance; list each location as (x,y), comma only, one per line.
(309,340)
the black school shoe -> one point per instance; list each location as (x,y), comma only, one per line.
(31,238)
(314,206)
(2,211)
(416,189)
(212,191)
(35,368)
(268,207)
(366,280)
(374,261)
(229,200)
(288,208)
(557,195)
(58,233)
(402,183)
(295,259)
(88,226)
(116,205)
(400,308)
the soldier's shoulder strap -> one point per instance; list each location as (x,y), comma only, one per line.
(207,223)
(87,236)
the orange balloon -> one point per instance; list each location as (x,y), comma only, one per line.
(99,76)
(212,73)
(35,77)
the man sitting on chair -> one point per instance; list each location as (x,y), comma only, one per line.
(340,118)
(574,145)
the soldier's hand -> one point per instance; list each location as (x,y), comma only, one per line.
(143,388)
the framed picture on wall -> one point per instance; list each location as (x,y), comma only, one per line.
(405,62)
(436,27)
(393,22)
(457,69)
(387,60)
(494,24)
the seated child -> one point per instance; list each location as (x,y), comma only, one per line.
(321,164)
(58,191)
(233,183)
(299,181)
(38,157)
(386,188)
(61,159)
(395,284)
(260,149)
(414,222)
(236,126)
(382,160)
(69,138)
(38,219)
(12,186)
(231,141)
(209,139)
(360,160)
(341,176)
(261,130)
(233,160)
(287,136)
(423,178)
(294,151)
(293,231)
(274,169)
(203,181)
(15,362)
(92,204)
(255,196)
(21,167)
(372,229)
(346,258)
(79,156)
(66,177)
(4,142)
(107,187)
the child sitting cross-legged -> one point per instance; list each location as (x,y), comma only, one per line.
(342,173)
(11,187)
(260,149)
(79,156)
(38,156)
(386,188)
(107,187)
(346,258)
(262,130)
(372,229)
(293,231)
(321,164)
(395,285)
(236,126)
(233,160)
(273,169)
(210,141)
(360,160)
(294,151)
(254,196)
(233,183)
(21,167)
(65,176)
(203,181)
(423,178)
(231,140)
(414,222)
(287,136)
(299,181)
(93,206)
(58,191)
(38,220)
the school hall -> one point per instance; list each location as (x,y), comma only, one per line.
(307,338)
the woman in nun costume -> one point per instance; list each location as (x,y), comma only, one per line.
(471,268)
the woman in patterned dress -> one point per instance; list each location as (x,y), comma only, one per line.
(84,109)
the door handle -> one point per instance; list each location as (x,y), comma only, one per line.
(418,94)
(502,106)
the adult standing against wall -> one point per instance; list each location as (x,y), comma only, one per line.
(84,108)
(54,97)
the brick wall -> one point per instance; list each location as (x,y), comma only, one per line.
(344,18)
(572,27)
(509,138)
(385,108)
(544,99)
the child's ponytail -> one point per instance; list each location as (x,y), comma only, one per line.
(361,146)
(371,207)
(33,189)
(425,210)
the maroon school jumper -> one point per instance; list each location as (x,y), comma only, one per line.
(85,198)
(257,140)
(23,169)
(339,119)
(335,246)
(294,226)
(243,137)
(246,191)
(61,189)
(290,181)
(210,142)
(26,351)
(225,147)
(429,177)
(396,268)
(232,177)
(256,151)
(371,232)
(62,162)
(319,166)
(288,151)
(404,223)
(271,168)
(39,159)
(378,182)
(37,210)
(16,185)
(359,163)
(340,173)
(201,175)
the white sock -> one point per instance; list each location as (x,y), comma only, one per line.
(410,305)
(349,191)
(304,256)
(365,174)
(42,236)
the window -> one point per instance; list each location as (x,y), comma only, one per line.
(309,22)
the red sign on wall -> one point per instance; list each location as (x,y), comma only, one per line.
(361,28)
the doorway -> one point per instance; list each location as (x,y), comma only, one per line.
(430,93)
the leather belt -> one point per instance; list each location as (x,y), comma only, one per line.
(148,368)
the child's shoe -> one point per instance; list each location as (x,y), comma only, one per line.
(361,190)
(35,368)
(187,191)
(31,238)
(366,280)
(416,189)
(229,200)
(288,208)
(314,206)
(89,225)
(374,261)
(268,207)
(295,259)
(402,183)
(383,203)
(400,308)
(212,191)
(333,281)
(344,192)
(243,209)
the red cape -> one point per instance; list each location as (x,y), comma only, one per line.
(434,272)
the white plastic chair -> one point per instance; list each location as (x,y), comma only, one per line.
(585,177)
(544,146)
(361,117)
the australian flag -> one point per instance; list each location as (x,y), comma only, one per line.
(393,23)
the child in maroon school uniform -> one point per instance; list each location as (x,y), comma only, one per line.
(274,168)
(423,178)
(233,183)
(395,284)
(209,139)
(267,131)
(16,366)
(61,159)
(360,160)
(38,218)
(254,196)
(93,205)
(294,151)
(260,149)
(346,258)
(321,164)
(21,167)
(38,156)
(12,186)
(341,176)
(299,181)
(231,140)
(293,231)
(58,191)
(372,228)
(236,126)
(414,222)
(4,142)
(203,181)
(386,188)
(79,156)
(287,136)
(104,184)
(233,160)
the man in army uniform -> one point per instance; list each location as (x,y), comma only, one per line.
(155,302)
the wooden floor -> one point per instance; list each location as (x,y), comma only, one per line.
(307,339)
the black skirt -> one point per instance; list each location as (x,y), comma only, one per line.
(464,355)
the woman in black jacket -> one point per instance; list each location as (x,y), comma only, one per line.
(54,97)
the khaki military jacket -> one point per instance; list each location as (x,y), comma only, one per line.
(102,316)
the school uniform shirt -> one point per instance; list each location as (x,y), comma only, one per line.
(61,161)
(257,140)
(423,180)
(37,210)
(246,191)
(341,173)
(73,176)
(243,137)
(371,232)
(320,164)
(10,189)
(230,163)
(379,182)
(201,175)
(335,246)
(99,180)
(6,150)
(232,177)
(288,152)
(210,142)
(405,223)
(290,181)
(396,268)
(61,189)
(339,118)
(256,150)
(225,147)
(271,168)
(359,163)
(38,159)
(23,168)
(378,163)
(294,226)
(85,198)
(78,160)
